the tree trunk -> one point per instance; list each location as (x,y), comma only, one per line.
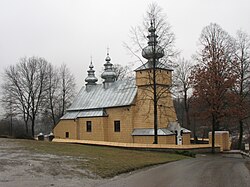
(33,127)
(155,107)
(187,118)
(213,134)
(241,135)
(11,126)
(26,127)
(186,108)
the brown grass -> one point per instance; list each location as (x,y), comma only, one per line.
(98,160)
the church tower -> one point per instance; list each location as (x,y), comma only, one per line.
(145,84)
(144,74)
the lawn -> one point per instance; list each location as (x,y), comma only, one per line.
(99,160)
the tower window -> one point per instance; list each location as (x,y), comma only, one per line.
(88,126)
(117,126)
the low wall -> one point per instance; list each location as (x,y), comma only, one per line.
(197,148)
(222,139)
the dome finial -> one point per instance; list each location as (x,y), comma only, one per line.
(108,50)
(108,59)
(91,63)
(153,50)
(91,79)
(152,29)
(108,75)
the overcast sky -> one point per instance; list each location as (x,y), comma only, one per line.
(70,31)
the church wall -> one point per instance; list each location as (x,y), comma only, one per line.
(171,139)
(125,116)
(145,77)
(186,139)
(64,126)
(144,106)
(150,139)
(144,109)
(97,128)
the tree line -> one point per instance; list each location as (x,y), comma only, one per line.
(212,89)
(219,81)
(34,89)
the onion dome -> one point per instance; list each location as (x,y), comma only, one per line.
(152,50)
(109,74)
(91,79)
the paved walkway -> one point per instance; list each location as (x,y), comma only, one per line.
(136,145)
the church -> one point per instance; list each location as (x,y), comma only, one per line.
(123,110)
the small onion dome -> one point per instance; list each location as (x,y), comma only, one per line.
(152,50)
(108,75)
(108,59)
(149,52)
(91,79)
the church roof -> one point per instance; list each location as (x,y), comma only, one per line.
(160,132)
(159,65)
(84,114)
(119,93)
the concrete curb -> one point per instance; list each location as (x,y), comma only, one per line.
(245,154)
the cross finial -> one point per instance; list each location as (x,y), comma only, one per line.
(108,50)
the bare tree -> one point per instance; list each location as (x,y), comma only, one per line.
(160,41)
(122,72)
(66,87)
(26,84)
(14,89)
(52,94)
(166,38)
(182,85)
(242,88)
(10,112)
(60,93)
(214,77)
(34,87)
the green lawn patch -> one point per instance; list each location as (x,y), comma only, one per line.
(99,160)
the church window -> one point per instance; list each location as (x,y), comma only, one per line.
(88,126)
(66,134)
(117,126)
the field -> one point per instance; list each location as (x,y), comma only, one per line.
(48,162)
(100,161)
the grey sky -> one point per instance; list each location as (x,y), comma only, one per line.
(71,31)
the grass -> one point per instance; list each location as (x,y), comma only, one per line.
(102,161)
